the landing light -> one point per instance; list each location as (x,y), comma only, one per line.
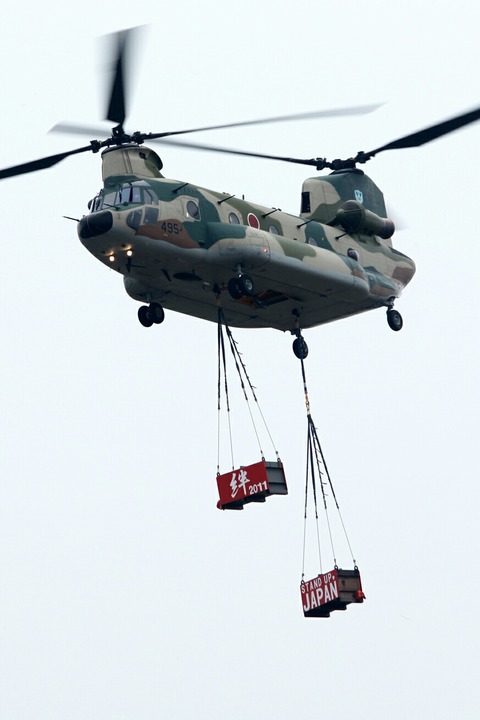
(129,253)
(112,258)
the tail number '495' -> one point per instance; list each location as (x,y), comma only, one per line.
(172,228)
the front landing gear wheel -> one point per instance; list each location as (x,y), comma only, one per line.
(234,288)
(145,316)
(151,314)
(394,319)
(156,313)
(241,286)
(300,348)
(245,283)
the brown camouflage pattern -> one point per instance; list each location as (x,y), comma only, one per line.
(179,244)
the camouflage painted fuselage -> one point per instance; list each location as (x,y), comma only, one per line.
(179,244)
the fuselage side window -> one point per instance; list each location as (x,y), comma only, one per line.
(193,210)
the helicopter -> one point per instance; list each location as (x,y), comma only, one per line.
(189,249)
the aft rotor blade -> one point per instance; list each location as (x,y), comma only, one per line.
(338,112)
(41,164)
(230,151)
(430,133)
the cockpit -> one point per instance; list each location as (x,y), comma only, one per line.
(134,193)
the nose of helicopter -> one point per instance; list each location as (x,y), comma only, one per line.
(95,224)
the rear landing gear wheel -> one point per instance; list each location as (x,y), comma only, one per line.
(394,319)
(300,348)
(145,316)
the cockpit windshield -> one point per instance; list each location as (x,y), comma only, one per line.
(128,194)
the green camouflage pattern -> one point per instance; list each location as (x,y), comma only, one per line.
(179,244)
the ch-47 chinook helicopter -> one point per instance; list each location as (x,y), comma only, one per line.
(182,247)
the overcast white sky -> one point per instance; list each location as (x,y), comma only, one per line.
(124,593)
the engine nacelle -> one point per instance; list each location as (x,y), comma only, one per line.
(354,218)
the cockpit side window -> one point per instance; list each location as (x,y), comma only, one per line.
(149,197)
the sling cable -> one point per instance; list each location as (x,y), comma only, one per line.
(247,483)
(337,588)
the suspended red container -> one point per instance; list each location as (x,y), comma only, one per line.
(331,591)
(251,483)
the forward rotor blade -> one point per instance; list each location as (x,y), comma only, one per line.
(97,131)
(71,129)
(430,133)
(230,151)
(116,108)
(339,112)
(41,164)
